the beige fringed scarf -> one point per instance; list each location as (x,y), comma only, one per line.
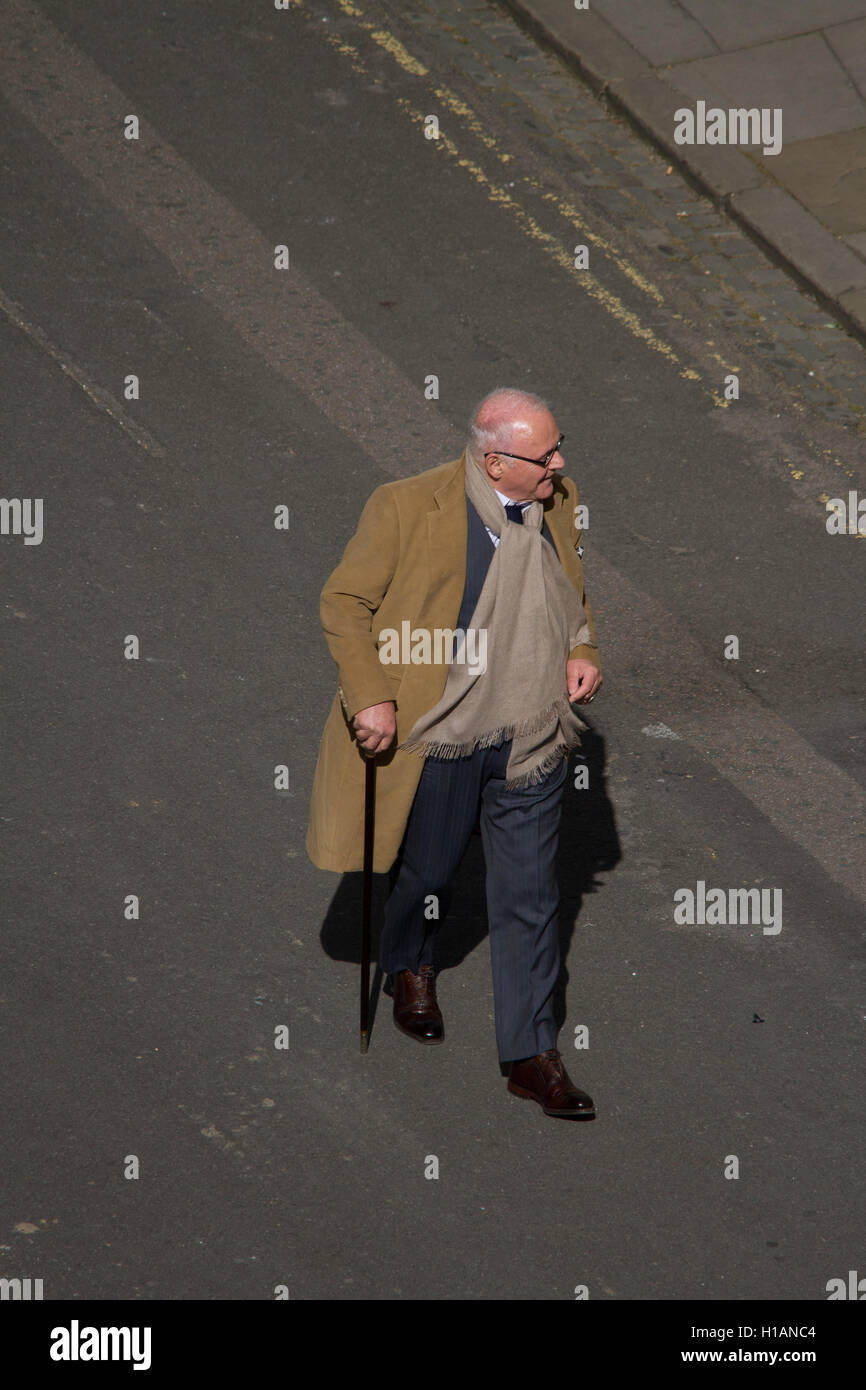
(533,619)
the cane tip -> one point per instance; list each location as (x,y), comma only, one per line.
(365,1042)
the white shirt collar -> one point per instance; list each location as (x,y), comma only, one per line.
(509,501)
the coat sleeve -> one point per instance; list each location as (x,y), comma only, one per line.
(583,652)
(351,597)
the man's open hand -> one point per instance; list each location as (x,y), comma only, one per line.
(583,680)
(375,727)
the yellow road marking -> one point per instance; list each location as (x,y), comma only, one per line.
(606,298)
(499,195)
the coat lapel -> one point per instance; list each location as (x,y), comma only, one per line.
(447,538)
(556,517)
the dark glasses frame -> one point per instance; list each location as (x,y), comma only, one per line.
(541,463)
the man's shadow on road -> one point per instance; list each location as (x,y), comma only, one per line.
(588,846)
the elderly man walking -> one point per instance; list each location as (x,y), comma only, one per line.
(463,637)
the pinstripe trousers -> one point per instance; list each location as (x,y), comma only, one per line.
(520,833)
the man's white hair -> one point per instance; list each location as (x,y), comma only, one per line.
(495,417)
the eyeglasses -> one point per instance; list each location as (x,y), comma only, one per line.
(542,463)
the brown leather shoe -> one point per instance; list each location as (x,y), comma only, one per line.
(416,1011)
(544,1078)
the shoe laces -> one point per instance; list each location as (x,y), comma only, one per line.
(426,978)
(553,1056)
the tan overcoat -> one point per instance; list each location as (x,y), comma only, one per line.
(405,562)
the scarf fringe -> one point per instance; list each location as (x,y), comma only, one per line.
(433,748)
(547,764)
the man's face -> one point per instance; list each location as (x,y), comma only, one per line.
(521,481)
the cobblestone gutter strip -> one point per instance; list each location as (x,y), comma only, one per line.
(791,235)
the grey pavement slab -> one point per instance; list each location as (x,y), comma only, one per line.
(853,302)
(651,102)
(828,174)
(815,253)
(799,75)
(848,42)
(770,55)
(661,30)
(740,24)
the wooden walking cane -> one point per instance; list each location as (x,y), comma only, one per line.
(369,825)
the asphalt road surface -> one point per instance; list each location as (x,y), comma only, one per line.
(725,1060)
